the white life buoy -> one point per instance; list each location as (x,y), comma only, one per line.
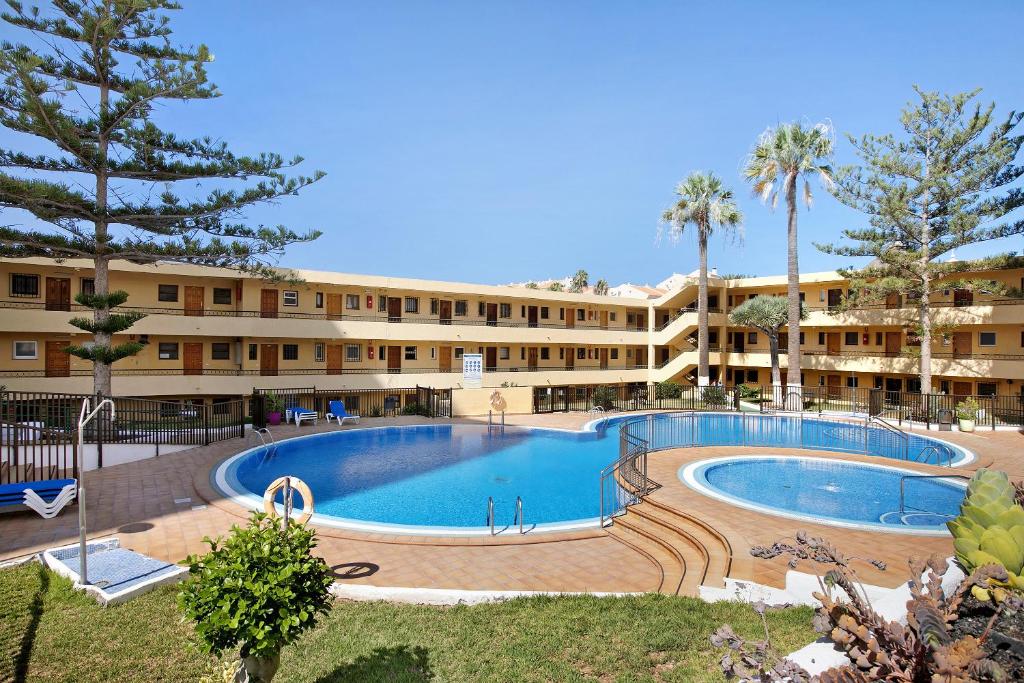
(298,485)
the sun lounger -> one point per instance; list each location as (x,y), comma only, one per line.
(339,413)
(300,415)
(47,498)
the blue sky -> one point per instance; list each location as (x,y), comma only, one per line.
(491,142)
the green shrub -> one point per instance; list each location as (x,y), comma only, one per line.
(748,393)
(273,403)
(668,390)
(376,411)
(259,588)
(967,409)
(715,396)
(415,409)
(605,397)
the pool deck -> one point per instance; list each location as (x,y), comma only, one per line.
(164,506)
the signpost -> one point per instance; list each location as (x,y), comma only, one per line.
(472,370)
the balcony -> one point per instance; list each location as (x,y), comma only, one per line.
(34,315)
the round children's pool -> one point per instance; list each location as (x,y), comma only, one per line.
(833,492)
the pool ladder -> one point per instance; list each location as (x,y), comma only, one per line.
(270,449)
(518,517)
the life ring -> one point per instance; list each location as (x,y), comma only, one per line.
(298,485)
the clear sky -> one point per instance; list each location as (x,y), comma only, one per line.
(493,142)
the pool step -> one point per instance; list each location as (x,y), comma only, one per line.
(641,544)
(717,550)
(668,529)
(654,544)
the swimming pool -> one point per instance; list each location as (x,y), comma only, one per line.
(836,493)
(436,479)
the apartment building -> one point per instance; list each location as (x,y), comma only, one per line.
(214,333)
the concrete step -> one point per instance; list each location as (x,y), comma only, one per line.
(654,541)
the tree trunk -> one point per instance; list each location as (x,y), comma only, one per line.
(703,359)
(773,346)
(793,293)
(101,371)
(926,336)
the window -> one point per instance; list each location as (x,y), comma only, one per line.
(167,292)
(878,338)
(24,285)
(801,338)
(318,352)
(459,351)
(290,351)
(88,285)
(986,339)
(821,339)
(462,308)
(352,302)
(712,337)
(222,295)
(545,353)
(481,309)
(612,316)
(522,353)
(581,353)
(986,388)
(410,353)
(851,382)
(167,351)
(26,350)
(851,338)
(505,311)
(291,298)
(220,351)
(522,311)
(318,300)
(615,354)
(435,307)
(581,314)
(821,295)
(504,353)
(353,353)
(433,352)
(254,351)
(751,337)
(544,312)
(561,314)
(412,304)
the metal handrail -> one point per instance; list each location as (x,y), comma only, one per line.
(939,454)
(904,478)
(519,513)
(490,513)
(271,448)
(892,429)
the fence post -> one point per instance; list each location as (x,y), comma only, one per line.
(99,433)
(736,399)
(206,423)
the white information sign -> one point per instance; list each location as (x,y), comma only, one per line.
(472,370)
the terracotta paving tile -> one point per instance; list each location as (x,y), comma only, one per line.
(139,498)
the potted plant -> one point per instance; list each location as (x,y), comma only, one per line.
(275,406)
(967,414)
(259,590)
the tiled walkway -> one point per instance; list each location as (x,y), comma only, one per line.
(165,506)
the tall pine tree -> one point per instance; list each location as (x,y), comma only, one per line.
(948,181)
(105,189)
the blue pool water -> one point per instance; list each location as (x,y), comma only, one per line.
(418,478)
(828,490)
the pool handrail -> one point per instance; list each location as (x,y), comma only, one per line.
(519,513)
(938,456)
(904,478)
(891,428)
(490,513)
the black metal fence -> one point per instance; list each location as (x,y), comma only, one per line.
(425,401)
(629,397)
(929,409)
(33,453)
(40,429)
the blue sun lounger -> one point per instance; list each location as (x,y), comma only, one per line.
(47,498)
(339,413)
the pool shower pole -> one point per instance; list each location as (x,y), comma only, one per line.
(84,418)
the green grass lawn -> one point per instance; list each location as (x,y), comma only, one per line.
(48,632)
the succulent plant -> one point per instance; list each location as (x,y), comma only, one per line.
(990,530)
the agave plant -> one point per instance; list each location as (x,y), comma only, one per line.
(923,649)
(990,530)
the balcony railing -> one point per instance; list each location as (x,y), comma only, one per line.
(249,372)
(353,317)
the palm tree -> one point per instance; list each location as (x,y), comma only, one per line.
(781,156)
(601,287)
(703,202)
(767,314)
(579,281)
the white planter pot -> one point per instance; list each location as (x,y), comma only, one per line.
(966,425)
